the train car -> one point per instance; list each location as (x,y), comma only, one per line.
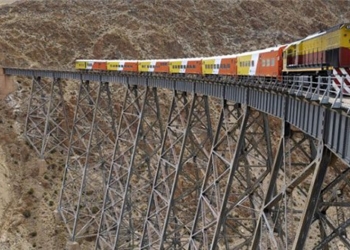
(270,62)
(220,65)
(91,64)
(319,52)
(122,65)
(266,63)
(80,64)
(153,66)
(246,63)
(322,54)
(185,66)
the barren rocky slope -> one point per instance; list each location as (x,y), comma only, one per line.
(52,34)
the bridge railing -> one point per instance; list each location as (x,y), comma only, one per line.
(323,89)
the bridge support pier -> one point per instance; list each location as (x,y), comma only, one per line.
(46,127)
(134,161)
(180,172)
(88,160)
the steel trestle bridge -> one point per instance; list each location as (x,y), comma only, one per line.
(248,163)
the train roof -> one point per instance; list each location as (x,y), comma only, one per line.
(221,57)
(270,49)
(90,60)
(121,60)
(186,59)
(337,27)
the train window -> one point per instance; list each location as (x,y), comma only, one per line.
(273,62)
(263,62)
(252,63)
(267,62)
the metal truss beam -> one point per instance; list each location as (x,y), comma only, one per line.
(181,169)
(46,127)
(332,215)
(245,189)
(87,165)
(135,156)
(290,192)
(211,194)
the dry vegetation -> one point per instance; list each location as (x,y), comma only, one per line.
(52,34)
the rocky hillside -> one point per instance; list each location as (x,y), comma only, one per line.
(52,34)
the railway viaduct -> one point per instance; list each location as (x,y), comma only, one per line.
(222,164)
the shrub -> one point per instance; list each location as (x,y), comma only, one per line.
(33,234)
(26,213)
(30,191)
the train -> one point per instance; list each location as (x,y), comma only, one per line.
(325,53)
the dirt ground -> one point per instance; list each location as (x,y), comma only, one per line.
(29,185)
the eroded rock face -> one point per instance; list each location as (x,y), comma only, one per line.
(7,85)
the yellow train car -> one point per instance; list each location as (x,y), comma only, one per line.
(153,66)
(122,65)
(185,66)
(321,51)
(247,63)
(220,65)
(80,64)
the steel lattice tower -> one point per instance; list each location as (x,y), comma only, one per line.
(46,127)
(87,166)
